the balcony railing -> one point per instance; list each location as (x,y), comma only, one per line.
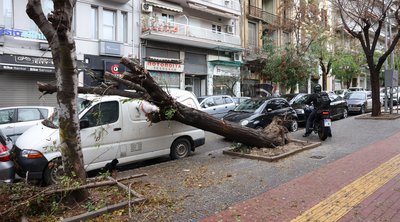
(263,15)
(183,30)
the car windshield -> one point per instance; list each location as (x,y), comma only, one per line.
(300,99)
(249,105)
(53,121)
(339,91)
(355,96)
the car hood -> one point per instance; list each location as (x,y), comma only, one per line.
(40,138)
(237,116)
(355,102)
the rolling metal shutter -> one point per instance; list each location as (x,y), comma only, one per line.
(20,89)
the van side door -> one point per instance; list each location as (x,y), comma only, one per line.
(101,134)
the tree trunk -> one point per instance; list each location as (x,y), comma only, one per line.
(194,117)
(57,29)
(376,103)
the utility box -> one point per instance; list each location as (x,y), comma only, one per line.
(391,78)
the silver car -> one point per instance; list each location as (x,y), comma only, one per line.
(217,106)
(16,120)
(7,170)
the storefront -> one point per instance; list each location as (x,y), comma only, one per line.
(166,74)
(225,77)
(19,75)
(196,73)
(97,66)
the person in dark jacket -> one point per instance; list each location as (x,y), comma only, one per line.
(319,100)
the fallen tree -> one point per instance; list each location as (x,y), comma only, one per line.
(140,79)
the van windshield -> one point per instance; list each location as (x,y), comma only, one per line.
(53,121)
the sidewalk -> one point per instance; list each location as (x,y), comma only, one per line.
(363,186)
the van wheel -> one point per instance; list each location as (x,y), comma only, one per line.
(53,172)
(180,148)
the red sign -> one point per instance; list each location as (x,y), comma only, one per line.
(114,67)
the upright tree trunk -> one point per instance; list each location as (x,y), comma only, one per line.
(57,29)
(376,103)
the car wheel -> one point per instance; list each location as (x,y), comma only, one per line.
(180,148)
(53,172)
(345,113)
(362,109)
(294,126)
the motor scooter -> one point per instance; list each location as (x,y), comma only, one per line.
(322,122)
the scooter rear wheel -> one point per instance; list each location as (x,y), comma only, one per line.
(323,133)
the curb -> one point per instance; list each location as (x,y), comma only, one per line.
(275,158)
(383,116)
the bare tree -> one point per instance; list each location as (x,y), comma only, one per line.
(56,27)
(365,20)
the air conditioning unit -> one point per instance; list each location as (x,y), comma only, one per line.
(146,7)
(229,29)
(44,47)
(227,2)
(237,56)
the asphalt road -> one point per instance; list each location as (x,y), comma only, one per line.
(209,181)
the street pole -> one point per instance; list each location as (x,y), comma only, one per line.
(386,67)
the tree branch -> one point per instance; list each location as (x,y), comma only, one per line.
(35,12)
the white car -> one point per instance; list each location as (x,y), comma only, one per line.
(16,120)
(217,106)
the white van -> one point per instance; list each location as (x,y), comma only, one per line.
(112,127)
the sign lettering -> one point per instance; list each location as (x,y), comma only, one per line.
(22,34)
(163,66)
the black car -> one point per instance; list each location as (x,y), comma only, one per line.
(338,106)
(259,112)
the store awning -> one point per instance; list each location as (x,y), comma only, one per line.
(226,63)
(165,5)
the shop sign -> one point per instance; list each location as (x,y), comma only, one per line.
(114,67)
(163,66)
(221,70)
(26,63)
(22,34)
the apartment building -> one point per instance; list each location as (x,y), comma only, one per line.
(262,19)
(104,31)
(192,44)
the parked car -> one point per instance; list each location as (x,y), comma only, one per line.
(111,128)
(259,112)
(356,89)
(396,95)
(338,106)
(341,92)
(238,100)
(7,170)
(217,106)
(359,101)
(16,120)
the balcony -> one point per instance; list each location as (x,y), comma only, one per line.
(263,15)
(230,7)
(253,53)
(189,35)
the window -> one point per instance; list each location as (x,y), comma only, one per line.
(28,115)
(273,105)
(125,26)
(8,13)
(94,15)
(218,100)
(47,7)
(109,25)
(6,116)
(216,28)
(252,35)
(168,19)
(102,113)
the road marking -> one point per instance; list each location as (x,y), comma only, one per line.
(340,203)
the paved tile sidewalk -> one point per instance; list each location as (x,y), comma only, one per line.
(365,186)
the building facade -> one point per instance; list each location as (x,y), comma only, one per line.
(193,45)
(104,31)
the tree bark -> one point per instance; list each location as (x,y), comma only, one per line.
(57,29)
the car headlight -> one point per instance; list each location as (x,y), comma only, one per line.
(244,122)
(31,154)
(300,111)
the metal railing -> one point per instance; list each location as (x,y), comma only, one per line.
(184,30)
(263,15)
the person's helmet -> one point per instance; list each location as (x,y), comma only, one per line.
(317,88)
